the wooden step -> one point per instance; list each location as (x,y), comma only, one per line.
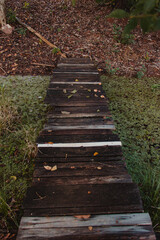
(99,227)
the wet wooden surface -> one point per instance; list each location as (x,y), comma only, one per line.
(81,189)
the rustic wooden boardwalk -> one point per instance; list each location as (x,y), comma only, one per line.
(81,189)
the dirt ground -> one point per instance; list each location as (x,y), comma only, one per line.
(79,31)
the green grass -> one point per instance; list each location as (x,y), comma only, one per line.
(135,106)
(22,113)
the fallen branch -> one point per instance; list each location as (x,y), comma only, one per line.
(43,64)
(3,70)
(40,36)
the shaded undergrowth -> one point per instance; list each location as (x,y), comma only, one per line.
(135,105)
(22,112)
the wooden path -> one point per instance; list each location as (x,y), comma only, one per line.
(81,189)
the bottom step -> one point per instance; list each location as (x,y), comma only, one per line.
(83,227)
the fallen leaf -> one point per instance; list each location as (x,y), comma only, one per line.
(54,168)
(74,91)
(49,130)
(48,168)
(13,178)
(90,228)
(102,96)
(100,83)
(76,80)
(70,96)
(72,167)
(98,110)
(99,168)
(83,217)
(95,95)
(95,154)
(95,90)
(64,90)
(65,112)
(100,69)
(89,192)
(89,90)
(50,142)
(87,96)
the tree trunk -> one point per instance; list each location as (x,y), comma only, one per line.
(2,14)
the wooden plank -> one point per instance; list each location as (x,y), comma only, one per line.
(72,180)
(81,92)
(83,233)
(74,83)
(93,121)
(77,71)
(75,60)
(53,160)
(68,110)
(69,197)
(80,115)
(75,65)
(109,169)
(76,103)
(75,68)
(132,219)
(75,138)
(81,151)
(94,132)
(80,127)
(79,145)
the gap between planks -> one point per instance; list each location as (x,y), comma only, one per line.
(77,145)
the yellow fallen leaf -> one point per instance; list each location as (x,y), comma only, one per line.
(13,178)
(100,69)
(90,228)
(64,90)
(89,90)
(98,110)
(87,96)
(76,80)
(54,168)
(95,154)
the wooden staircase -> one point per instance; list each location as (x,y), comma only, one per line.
(81,189)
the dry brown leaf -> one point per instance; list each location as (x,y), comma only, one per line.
(89,192)
(48,168)
(90,228)
(54,168)
(83,217)
(50,142)
(99,168)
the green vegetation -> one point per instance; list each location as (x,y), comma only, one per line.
(22,114)
(135,105)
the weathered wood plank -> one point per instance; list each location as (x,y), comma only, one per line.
(73,180)
(93,121)
(81,151)
(86,60)
(134,219)
(80,127)
(83,233)
(75,68)
(68,110)
(109,169)
(80,115)
(74,83)
(76,65)
(75,138)
(76,72)
(110,157)
(69,197)
(78,145)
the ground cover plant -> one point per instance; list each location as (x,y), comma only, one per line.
(135,105)
(22,112)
